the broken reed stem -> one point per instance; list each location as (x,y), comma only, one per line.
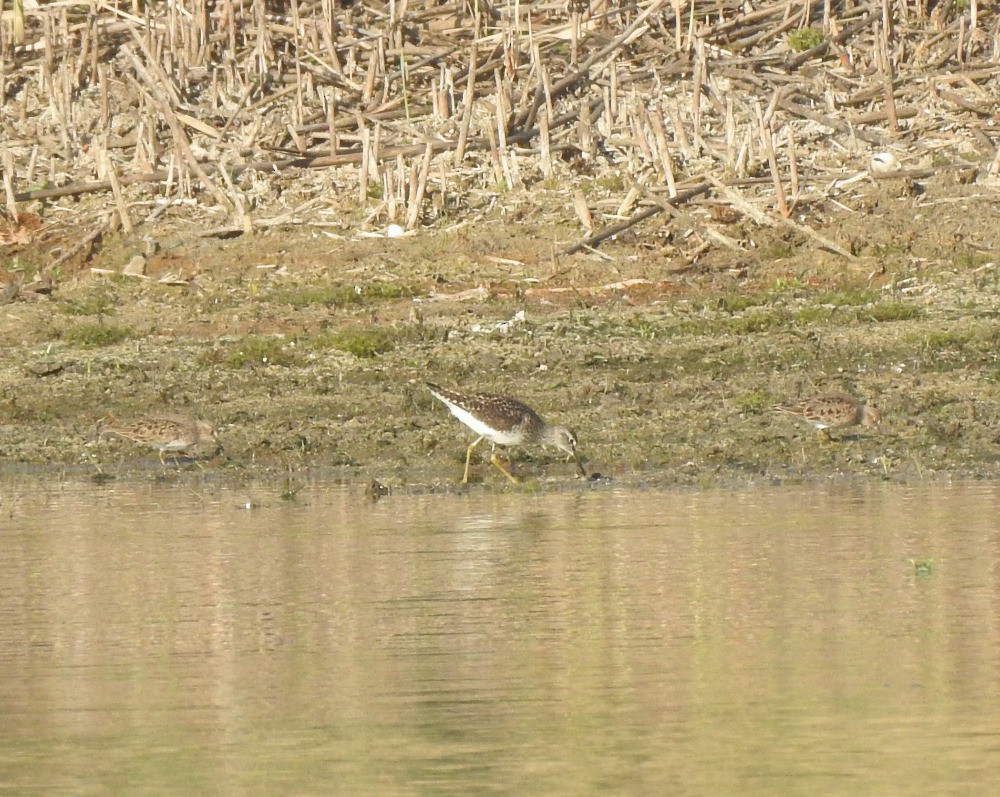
(689,45)
(994,167)
(162,104)
(29,174)
(515,169)
(585,130)
(105,103)
(740,203)
(242,217)
(370,77)
(546,87)
(793,170)
(441,197)
(677,125)
(116,190)
(403,185)
(884,62)
(574,34)
(642,215)
(494,155)
(414,211)
(626,205)
(767,141)
(663,149)
(410,181)
(886,15)
(169,175)
(582,210)
(403,88)
(730,133)
(544,146)
(251,87)
(640,136)
(331,123)
(698,80)
(501,130)
(389,194)
(779,190)
(7,160)
(366,157)
(88,241)
(375,164)
(612,100)
(467,99)
(300,112)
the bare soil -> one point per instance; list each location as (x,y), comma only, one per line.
(310,350)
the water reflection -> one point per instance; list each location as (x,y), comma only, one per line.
(168,639)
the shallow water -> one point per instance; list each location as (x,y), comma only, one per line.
(182,639)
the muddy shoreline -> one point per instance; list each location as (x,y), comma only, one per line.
(311,355)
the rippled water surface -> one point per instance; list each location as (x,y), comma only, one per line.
(200,639)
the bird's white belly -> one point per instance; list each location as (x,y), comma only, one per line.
(494,436)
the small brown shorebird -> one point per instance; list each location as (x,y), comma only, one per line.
(504,421)
(167,435)
(833,411)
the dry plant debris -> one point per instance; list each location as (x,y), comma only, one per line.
(255,114)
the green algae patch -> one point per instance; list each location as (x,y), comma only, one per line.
(255,350)
(91,334)
(338,295)
(364,343)
(804,39)
(891,311)
(97,303)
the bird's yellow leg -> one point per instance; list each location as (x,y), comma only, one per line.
(495,460)
(468,458)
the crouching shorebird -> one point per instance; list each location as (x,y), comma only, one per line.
(504,421)
(166,435)
(833,411)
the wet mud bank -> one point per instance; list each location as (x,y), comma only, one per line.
(313,356)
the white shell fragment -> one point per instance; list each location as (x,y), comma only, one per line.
(884,163)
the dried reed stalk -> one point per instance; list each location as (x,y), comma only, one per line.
(413,212)
(116,190)
(615,229)
(381,91)
(7,161)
